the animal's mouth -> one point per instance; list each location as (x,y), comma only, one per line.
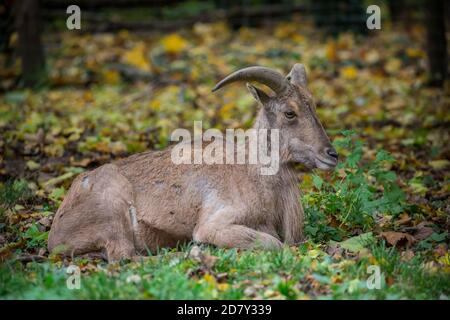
(325,164)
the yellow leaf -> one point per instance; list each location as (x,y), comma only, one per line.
(174,43)
(330,51)
(439,164)
(13,39)
(415,53)
(298,38)
(225,111)
(372,56)
(313,253)
(336,279)
(417,187)
(33,165)
(155,105)
(285,30)
(58,180)
(445,260)
(54,150)
(349,72)
(393,65)
(209,279)
(223,286)
(117,147)
(111,76)
(137,58)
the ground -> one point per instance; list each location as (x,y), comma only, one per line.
(114,94)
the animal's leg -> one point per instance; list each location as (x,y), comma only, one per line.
(95,216)
(235,236)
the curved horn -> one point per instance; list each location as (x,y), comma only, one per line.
(271,78)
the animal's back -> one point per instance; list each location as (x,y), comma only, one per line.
(170,198)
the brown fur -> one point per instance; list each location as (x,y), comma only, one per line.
(146,202)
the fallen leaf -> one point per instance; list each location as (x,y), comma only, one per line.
(330,51)
(407,255)
(210,279)
(415,53)
(136,57)
(394,238)
(223,286)
(58,180)
(439,164)
(404,219)
(441,250)
(81,163)
(174,43)
(390,281)
(393,65)
(45,222)
(348,73)
(422,231)
(357,243)
(31,165)
(111,76)
(205,259)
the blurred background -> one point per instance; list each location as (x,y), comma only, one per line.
(137,69)
(40,23)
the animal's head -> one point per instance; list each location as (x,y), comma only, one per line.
(292,111)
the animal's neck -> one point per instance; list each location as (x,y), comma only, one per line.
(289,198)
(286,192)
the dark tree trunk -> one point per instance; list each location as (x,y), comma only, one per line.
(436,41)
(31,52)
(6,26)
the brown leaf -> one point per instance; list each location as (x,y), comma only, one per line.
(209,261)
(407,255)
(205,259)
(45,221)
(335,252)
(81,163)
(422,231)
(390,281)
(404,219)
(7,250)
(441,250)
(398,238)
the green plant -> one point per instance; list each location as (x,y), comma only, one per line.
(34,237)
(14,191)
(356,194)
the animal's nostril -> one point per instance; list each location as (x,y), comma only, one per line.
(332,153)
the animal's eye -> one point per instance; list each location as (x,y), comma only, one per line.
(290,115)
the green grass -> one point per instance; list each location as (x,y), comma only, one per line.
(342,214)
(14,191)
(302,272)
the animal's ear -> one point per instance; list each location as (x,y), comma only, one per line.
(298,75)
(258,94)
